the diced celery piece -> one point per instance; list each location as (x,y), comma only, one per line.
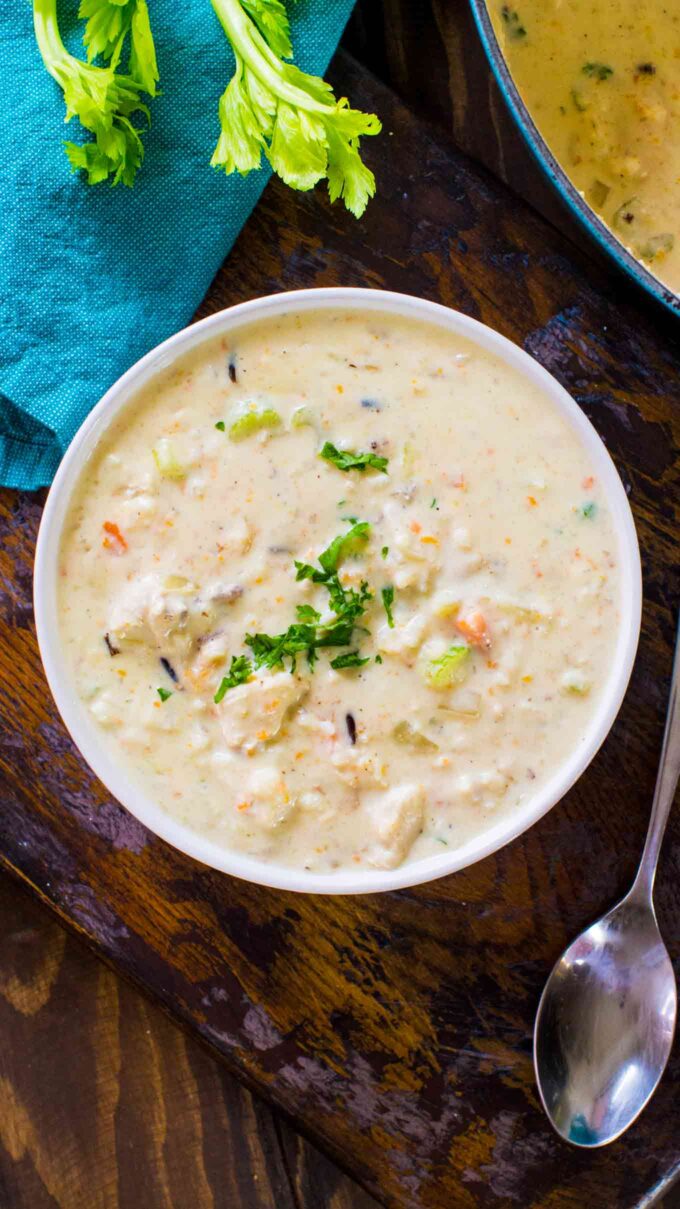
(246,423)
(449,669)
(166,460)
(466,706)
(408,457)
(657,246)
(179,583)
(574,682)
(522,612)
(303,417)
(408,736)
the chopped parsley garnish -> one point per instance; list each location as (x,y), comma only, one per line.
(351,659)
(332,556)
(344,459)
(221,425)
(163,693)
(512,22)
(388,600)
(240,670)
(307,636)
(597,71)
(344,545)
(305,612)
(588,510)
(385,551)
(378,658)
(270,650)
(434,502)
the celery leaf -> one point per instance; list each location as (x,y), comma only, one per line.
(102,98)
(273,107)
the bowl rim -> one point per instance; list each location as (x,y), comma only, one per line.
(553,170)
(82,728)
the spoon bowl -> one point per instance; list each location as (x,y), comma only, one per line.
(605,1025)
(606,1019)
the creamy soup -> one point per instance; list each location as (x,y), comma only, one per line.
(340,590)
(601,79)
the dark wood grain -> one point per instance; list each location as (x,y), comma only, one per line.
(429,52)
(397,1028)
(106,1103)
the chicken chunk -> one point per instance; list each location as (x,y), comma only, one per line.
(253,713)
(358,768)
(396,821)
(414,547)
(169,615)
(265,803)
(403,640)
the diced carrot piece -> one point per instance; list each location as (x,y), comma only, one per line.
(115,532)
(473,627)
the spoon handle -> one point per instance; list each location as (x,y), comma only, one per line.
(666,783)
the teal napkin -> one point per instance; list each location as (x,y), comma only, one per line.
(92,277)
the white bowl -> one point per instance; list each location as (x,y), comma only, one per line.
(87,735)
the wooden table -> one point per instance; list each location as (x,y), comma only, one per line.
(394,1029)
(106,1103)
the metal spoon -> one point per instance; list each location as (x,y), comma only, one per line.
(606,1019)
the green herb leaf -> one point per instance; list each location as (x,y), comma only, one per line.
(388,600)
(385,551)
(305,612)
(512,22)
(108,24)
(102,98)
(143,65)
(306,636)
(344,459)
(307,571)
(240,670)
(164,693)
(293,117)
(351,659)
(589,510)
(220,425)
(597,71)
(272,650)
(344,545)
